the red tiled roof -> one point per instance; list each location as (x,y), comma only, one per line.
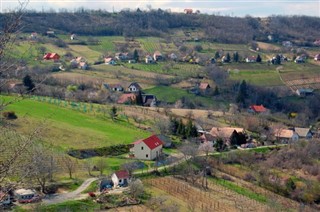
(126,97)
(204,86)
(152,142)
(122,174)
(107,60)
(258,108)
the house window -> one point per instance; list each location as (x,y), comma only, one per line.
(142,148)
(147,155)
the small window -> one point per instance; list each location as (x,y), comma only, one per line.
(147,155)
(142,148)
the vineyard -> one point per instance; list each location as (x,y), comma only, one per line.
(216,198)
(313,83)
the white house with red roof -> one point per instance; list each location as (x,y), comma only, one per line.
(147,149)
(120,178)
(257,109)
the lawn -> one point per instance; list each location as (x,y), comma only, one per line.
(68,128)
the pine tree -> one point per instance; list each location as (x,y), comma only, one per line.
(27,82)
(174,124)
(228,58)
(258,60)
(217,55)
(278,60)
(242,94)
(181,129)
(235,57)
(136,55)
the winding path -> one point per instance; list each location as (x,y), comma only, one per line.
(76,194)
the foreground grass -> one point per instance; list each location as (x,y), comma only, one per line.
(240,190)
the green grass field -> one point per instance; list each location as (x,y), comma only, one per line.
(68,128)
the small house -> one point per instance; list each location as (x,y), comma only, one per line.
(188,11)
(50,33)
(287,43)
(173,56)
(109,61)
(83,65)
(73,37)
(212,60)
(299,59)
(147,149)
(317,42)
(317,57)
(257,109)
(127,98)
(303,132)
(157,56)
(134,87)
(304,92)
(251,59)
(121,56)
(132,61)
(224,133)
(24,194)
(285,135)
(51,56)
(113,87)
(149,59)
(34,35)
(204,86)
(120,178)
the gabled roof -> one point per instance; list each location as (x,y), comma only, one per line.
(283,133)
(204,86)
(258,108)
(135,84)
(157,53)
(108,59)
(122,174)
(251,58)
(50,56)
(224,132)
(302,132)
(152,142)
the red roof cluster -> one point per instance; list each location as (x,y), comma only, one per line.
(258,108)
(122,174)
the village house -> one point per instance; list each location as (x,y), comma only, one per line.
(257,109)
(188,11)
(50,33)
(303,132)
(224,133)
(73,37)
(127,98)
(134,87)
(149,59)
(303,92)
(34,36)
(120,178)
(147,149)
(79,62)
(24,194)
(109,61)
(157,56)
(51,56)
(317,57)
(204,86)
(106,183)
(114,87)
(285,135)
(287,44)
(173,56)
(299,59)
(317,42)
(121,56)
(251,59)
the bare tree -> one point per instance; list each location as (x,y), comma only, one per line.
(136,188)
(88,164)
(69,164)
(101,165)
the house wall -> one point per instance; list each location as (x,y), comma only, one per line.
(156,152)
(115,180)
(141,150)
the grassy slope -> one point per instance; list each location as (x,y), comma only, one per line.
(68,128)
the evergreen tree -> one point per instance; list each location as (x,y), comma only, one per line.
(228,58)
(234,138)
(235,57)
(113,112)
(139,100)
(174,124)
(181,129)
(258,60)
(278,60)
(27,82)
(216,91)
(242,94)
(217,55)
(136,55)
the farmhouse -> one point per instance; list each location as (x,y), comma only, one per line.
(299,59)
(73,36)
(147,149)
(149,59)
(34,35)
(120,178)
(121,56)
(317,57)
(51,56)
(287,43)
(304,92)
(134,87)
(173,56)
(127,98)
(303,132)
(109,61)
(251,59)
(157,56)
(257,109)
(224,132)
(149,100)
(285,135)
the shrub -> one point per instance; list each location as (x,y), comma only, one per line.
(226,177)
(249,177)
(9,115)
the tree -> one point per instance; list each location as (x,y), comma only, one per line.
(228,58)
(113,112)
(101,165)
(190,130)
(217,55)
(258,60)
(69,164)
(236,57)
(216,91)
(136,55)
(27,82)
(136,188)
(242,93)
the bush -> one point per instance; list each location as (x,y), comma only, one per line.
(9,115)
(226,177)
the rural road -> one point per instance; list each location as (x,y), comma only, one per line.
(58,198)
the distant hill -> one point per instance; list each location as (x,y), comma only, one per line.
(225,29)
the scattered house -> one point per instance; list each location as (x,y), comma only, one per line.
(147,149)
(106,184)
(73,37)
(285,135)
(224,59)
(157,56)
(134,87)
(79,62)
(24,194)
(287,43)
(109,61)
(149,59)
(173,56)
(149,100)
(317,42)
(121,56)
(303,132)
(83,65)
(132,61)
(34,35)
(120,178)
(257,109)
(304,92)
(188,11)
(204,86)
(205,137)
(251,59)
(113,87)
(317,57)
(127,98)
(51,56)
(50,33)
(299,59)
(4,199)
(224,132)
